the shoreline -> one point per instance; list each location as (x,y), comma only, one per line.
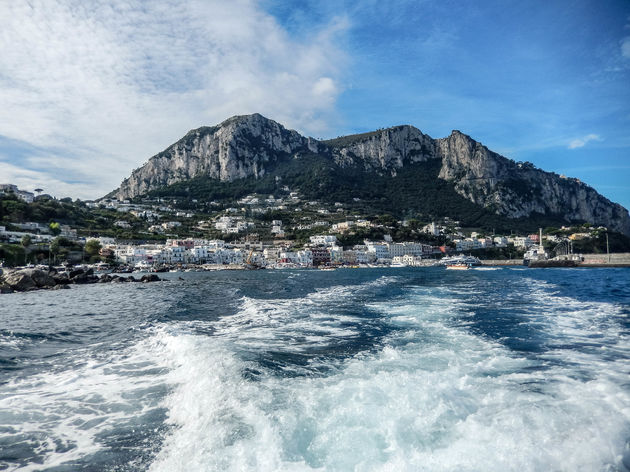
(30,280)
(27,279)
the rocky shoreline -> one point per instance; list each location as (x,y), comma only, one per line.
(26,280)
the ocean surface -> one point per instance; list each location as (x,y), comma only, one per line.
(506,369)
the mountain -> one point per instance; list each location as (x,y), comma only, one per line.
(396,169)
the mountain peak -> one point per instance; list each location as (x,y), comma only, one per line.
(458,134)
(253,117)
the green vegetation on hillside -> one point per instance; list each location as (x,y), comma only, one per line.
(415,192)
(14,210)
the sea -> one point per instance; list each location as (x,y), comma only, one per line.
(399,369)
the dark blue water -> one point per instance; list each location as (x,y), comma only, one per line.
(375,369)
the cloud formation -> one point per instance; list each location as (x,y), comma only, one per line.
(583,141)
(91,89)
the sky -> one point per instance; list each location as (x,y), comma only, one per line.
(89,90)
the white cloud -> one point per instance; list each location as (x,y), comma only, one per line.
(581,142)
(27,179)
(102,86)
(625,47)
(325,87)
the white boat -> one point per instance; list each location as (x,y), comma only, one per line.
(142,266)
(461,259)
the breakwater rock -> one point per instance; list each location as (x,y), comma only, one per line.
(26,280)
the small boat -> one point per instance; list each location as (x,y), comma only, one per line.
(102,268)
(458,266)
(142,266)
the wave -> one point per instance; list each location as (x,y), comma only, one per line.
(382,375)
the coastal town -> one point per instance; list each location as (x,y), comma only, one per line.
(168,237)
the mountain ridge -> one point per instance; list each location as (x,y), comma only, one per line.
(245,146)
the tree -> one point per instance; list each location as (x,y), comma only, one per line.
(26,242)
(55,228)
(59,246)
(92,247)
(55,245)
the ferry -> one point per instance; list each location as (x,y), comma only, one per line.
(459,260)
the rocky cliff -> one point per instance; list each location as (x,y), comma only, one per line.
(519,189)
(384,150)
(252,146)
(484,177)
(239,147)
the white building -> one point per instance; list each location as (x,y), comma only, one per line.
(406,248)
(343,226)
(324,239)
(412,261)
(431,229)
(500,241)
(130,254)
(304,257)
(21,194)
(521,241)
(362,257)
(380,251)
(171,224)
(68,232)
(276,228)
(336,254)
(271,254)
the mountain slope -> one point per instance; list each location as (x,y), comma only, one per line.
(252,152)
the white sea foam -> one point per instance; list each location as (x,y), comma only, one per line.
(315,319)
(436,397)
(62,414)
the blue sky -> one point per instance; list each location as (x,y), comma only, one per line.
(94,89)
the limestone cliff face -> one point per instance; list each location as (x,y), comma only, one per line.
(241,146)
(252,145)
(519,189)
(384,150)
